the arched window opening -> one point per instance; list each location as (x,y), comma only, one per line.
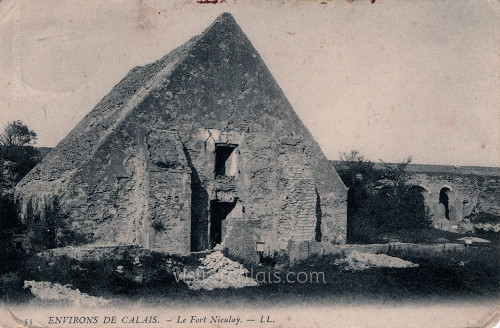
(417,202)
(444,198)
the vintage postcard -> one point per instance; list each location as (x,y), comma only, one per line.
(220,163)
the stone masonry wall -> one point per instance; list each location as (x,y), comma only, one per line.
(303,250)
(468,193)
(169,193)
(223,93)
(107,202)
(136,191)
(242,236)
(170,200)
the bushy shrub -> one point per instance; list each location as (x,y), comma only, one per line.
(11,252)
(379,200)
(19,160)
(117,273)
(8,212)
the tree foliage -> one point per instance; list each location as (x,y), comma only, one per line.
(355,168)
(17,158)
(17,155)
(17,133)
(16,162)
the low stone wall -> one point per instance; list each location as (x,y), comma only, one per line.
(303,250)
(297,251)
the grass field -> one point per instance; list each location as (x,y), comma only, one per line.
(470,275)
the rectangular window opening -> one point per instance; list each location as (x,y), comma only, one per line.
(225,160)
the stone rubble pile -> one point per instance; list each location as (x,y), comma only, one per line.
(362,261)
(45,290)
(217,271)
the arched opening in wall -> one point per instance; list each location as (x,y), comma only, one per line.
(219,211)
(417,199)
(444,198)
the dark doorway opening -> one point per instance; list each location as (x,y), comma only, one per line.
(356,196)
(444,199)
(222,154)
(218,213)
(414,204)
(319,215)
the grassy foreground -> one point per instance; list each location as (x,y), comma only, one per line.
(470,275)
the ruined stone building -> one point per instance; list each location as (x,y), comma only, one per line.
(452,194)
(196,149)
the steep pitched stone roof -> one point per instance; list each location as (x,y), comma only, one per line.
(82,143)
(84,140)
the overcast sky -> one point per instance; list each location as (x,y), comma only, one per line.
(392,79)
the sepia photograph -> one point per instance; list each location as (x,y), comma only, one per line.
(221,163)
